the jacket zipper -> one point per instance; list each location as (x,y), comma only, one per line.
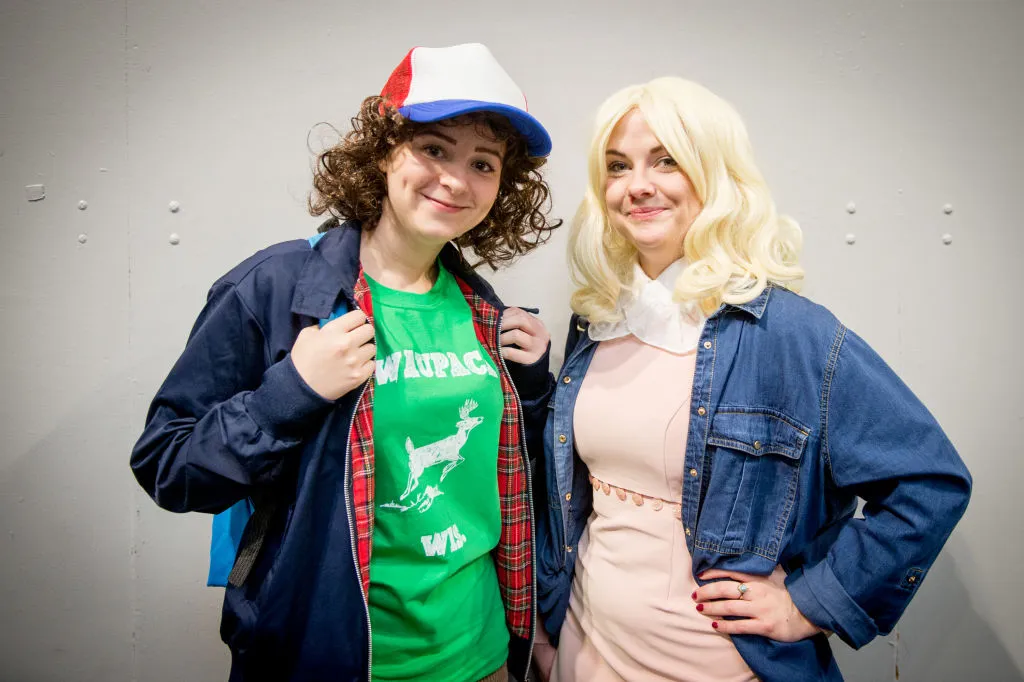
(529,493)
(353,531)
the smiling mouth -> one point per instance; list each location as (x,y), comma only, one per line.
(646,212)
(443,205)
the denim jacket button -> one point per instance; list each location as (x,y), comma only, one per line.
(562,438)
(707,344)
(701,411)
(567,380)
(687,531)
(568,496)
(693,472)
(757,445)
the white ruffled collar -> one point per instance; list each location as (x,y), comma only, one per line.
(650,313)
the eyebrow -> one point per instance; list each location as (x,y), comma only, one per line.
(489,150)
(452,141)
(616,152)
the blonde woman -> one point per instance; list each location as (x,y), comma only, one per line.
(712,430)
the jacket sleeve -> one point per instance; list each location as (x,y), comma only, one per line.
(534,384)
(880,443)
(225,419)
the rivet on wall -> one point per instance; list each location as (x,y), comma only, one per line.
(851,238)
(947,239)
(947,209)
(83,238)
(35,192)
(174,207)
(174,239)
(82,205)
(851,208)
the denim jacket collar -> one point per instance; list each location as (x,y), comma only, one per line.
(754,307)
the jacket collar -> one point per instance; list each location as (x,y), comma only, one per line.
(753,307)
(332,269)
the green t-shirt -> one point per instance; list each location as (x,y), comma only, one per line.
(435,606)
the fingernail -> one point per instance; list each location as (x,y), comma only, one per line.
(694,595)
(700,607)
(714,624)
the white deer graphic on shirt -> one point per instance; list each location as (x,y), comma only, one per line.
(445,451)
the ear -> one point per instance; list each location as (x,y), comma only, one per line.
(387,163)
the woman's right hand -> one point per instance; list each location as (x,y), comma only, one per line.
(337,357)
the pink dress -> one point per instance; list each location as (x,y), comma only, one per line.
(631,616)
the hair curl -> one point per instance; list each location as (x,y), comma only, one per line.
(348,182)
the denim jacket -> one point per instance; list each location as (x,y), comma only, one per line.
(792,418)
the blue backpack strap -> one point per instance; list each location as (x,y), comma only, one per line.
(238,532)
(226,535)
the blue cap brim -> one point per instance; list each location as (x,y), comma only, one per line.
(538,142)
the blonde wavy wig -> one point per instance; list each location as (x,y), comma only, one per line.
(738,243)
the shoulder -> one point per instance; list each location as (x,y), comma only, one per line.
(264,283)
(278,261)
(790,313)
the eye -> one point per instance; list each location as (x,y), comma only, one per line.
(432,150)
(666,162)
(483,166)
(616,167)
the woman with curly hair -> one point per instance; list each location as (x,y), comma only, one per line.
(384,448)
(712,430)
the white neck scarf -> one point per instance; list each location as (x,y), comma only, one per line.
(651,315)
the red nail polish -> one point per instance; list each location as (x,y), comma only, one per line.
(694,596)
(700,607)
(714,624)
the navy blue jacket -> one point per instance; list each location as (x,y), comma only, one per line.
(792,418)
(234,420)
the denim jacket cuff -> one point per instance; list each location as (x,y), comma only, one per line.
(284,401)
(820,597)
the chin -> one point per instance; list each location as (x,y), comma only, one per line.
(653,240)
(441,231)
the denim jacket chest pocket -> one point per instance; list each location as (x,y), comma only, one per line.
(751,466)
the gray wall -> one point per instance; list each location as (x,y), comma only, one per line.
(899,109)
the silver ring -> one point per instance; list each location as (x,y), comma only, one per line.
(743,589)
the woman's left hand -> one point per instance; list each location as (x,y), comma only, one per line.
(524,338)
(765,606)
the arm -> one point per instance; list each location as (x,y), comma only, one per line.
(880,443)
(223,420)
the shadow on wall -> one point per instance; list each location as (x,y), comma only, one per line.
(941,637)
(73,603)
(65,577)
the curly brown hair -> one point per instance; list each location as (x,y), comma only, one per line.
(348,181)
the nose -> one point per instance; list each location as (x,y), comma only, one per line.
(640,184)
(452,179)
